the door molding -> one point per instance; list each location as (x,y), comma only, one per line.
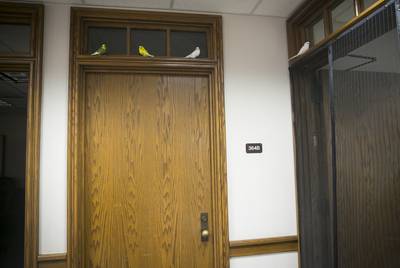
(32,14)
(211,67)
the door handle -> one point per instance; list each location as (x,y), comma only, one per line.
(205,234)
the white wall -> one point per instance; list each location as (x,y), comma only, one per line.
(285,260)
(53,160)
(261,187)
(257,103)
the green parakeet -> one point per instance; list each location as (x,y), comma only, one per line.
(143,52)
(101,50)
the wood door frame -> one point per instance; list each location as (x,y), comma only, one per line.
(211,67)
(299,21)
(32,62)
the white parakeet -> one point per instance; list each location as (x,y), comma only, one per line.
(302,50)
(194,54)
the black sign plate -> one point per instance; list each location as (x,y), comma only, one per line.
(254,148)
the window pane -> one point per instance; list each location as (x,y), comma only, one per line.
(153,40)
(13,121)
(368,3)
(318,31)
(15,38)
(342,13)
(114,38)
(184,43)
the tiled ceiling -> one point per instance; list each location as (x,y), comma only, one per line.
(279,8)
(160,4)
(13,89)
(227,6)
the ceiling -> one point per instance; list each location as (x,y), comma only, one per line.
(278,8)
(13,89)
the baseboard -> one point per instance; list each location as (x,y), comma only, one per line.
(52,261)
(263,246)
(237,248)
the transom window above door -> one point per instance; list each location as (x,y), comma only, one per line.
(146,40)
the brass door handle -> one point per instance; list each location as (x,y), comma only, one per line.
(204,227)
(204,235)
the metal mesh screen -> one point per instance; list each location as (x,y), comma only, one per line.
(346,104)
(365,75)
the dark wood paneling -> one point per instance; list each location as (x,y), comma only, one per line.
(368,169)
(263,246)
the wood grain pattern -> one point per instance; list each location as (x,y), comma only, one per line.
(147,170)
(263,246)
(368,171)
(34,13)
(211,68)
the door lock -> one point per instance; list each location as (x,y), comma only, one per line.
(204,227)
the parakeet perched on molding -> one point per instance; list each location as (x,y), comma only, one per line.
(302,50)
(101,50)
(143,52)
(194,54)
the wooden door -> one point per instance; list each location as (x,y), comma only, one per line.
(147,170)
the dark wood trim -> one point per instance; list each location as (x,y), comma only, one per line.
(143,20)
(52,261)
(33,63)
(263,246)
(344,28)
(298,22)
(52,257)
(359,4)
(213,67)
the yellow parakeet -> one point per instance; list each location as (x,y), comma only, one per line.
(100,51)
(143,52)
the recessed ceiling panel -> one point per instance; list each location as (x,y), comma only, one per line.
(279,8)
(161,4)
(222,6)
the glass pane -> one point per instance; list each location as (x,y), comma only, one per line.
(114,38)
(15,38)
(318,31)
(342,13)
(154,41)
(13,120)
(184,43)
(368,3)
